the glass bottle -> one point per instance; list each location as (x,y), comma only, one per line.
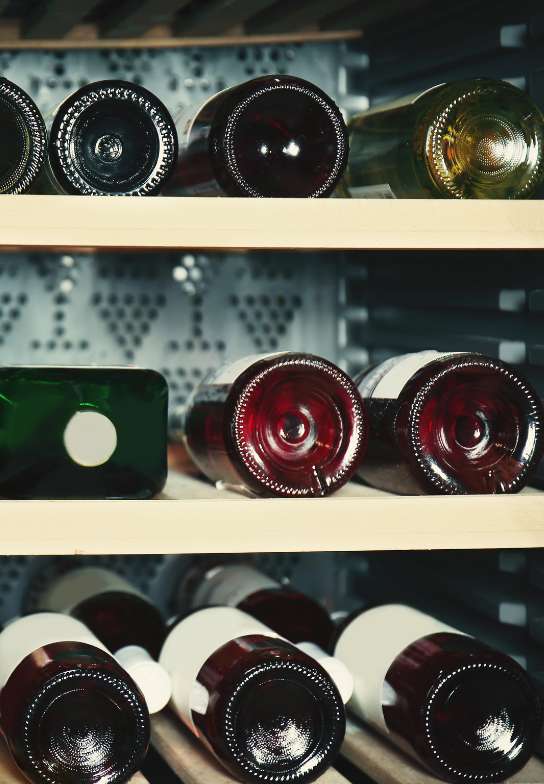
(123,619)
(282,424)
(449,423)
(472,139)
(22,153)
(464,710)
(265,710)
(69,712)
(82,432)
(111,138)
(270,136)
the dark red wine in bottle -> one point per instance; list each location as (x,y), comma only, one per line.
(111,138)
(24,140)
(70,713)
(450,423)
(282,424)
(462,709)
(122,618)
(265,709)
(271,136)
(288,612)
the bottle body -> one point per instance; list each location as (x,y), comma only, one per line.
(77,432)
(282,424)
(67,705)
(288,612)
(261,706)
(476,138)
(271,136)
(111,138)
(449,423)
(464,710)
(24,140)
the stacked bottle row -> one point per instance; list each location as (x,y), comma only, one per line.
(259,673)
(275,136)
(283,424)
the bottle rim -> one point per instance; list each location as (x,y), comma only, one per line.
(330,703)
(222,137)
(28,170)
(73,107)
(532,404)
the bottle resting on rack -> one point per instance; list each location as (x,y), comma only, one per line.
(122,618)
(82,432)
(449,423)
(283,424)
(271,136)
(265,709)
(111,138)
(288,612)
(70,713)
(22,153)
(464,710)
(472,139)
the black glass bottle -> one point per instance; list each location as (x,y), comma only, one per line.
(22,130)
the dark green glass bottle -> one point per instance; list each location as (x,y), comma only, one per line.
(82,432)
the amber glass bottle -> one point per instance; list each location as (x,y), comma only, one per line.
(22,129)
(265,709)
(69,712)
(464,710)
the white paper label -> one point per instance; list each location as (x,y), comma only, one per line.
(191,643)
(368,647)
(229,373)
(229,585)
(90,438)
(71,589)
(387,380)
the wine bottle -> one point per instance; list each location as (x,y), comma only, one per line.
(122,618)
(288,612)
(464,710)
(111,138)
(476,138)
(449,423)
(82,432)
(271,136)
(266,710)
(24,140)
(282,424)
(69,711)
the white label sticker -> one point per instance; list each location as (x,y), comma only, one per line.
(229,373)
(71,589)
(90,438)
(229,585)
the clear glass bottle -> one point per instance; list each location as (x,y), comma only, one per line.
(282,424)
(22,153)
(266,710)
(465,711)
(271,136)
(472,139)
(111,138)
(69,711)
(449,423)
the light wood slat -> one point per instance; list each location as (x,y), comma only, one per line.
(283,16)
(368,13)
(384,764)
(188,758)
(216,16)
(133,17)
(55,17)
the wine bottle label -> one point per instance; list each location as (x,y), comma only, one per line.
(229,373)
(400,103)
(229,585)
(191,643)
(369,645)
(90,438)
(71,589)
(26,635)
(387,379)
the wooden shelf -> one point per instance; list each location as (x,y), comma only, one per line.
(193,517)
(90,223)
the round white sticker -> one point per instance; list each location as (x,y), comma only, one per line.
(90,438)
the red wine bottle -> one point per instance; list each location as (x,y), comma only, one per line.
(450,423)
(69,711)
(122,618)
(288,612)
(265,709)
(464,710)
(271,136)
(282,424)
